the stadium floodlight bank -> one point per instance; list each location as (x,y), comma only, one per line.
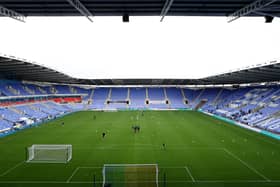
(49,153)
(140,175)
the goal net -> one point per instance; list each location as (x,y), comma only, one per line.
(132,175)
(49,153)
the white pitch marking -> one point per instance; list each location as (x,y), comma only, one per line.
(247,165)
(74,172)
(12,168)
(170,181)
(89,167)
(190,174)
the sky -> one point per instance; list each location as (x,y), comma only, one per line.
(178,47)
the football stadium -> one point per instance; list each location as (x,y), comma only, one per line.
(58,130)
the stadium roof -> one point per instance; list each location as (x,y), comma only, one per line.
(20,69)
(88,8)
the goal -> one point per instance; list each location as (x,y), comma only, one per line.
(133,175)
(49,153)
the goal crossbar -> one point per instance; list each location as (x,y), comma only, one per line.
(47,153)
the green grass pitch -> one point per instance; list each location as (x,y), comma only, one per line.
(200,150)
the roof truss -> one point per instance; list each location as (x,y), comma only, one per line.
(254,7)
(81,8)
(11,68)
(165,9)
(12,14)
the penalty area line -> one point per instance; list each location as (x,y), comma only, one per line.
(190,174)
(246,164)
(77,169)
(74,172)
(12,168)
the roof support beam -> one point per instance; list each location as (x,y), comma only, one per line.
(41,72)
(81,8)
(272,74)
(165,9)
(276,65)
(266,14)
(12,64)
(246,74)
(268,70)
(251,8)
(12,14)
(230,79)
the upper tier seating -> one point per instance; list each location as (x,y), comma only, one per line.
(209,95)
(86,92)
(175,97)
(191,95)
(62,89)
(137,98)
(156,94)
(99,97)
(119,94)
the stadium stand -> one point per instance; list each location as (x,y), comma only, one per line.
(157,98)
(252,101)
(255,106)
(100,96)
(118,98)
(86,93)
(137,98)
(175,98)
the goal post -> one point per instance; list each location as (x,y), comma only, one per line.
(42,153)
(138,175)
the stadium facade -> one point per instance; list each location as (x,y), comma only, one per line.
(31,94)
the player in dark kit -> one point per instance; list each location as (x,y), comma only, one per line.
(163,146)
(103,135)
(136,128)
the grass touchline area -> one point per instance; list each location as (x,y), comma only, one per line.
(198,151)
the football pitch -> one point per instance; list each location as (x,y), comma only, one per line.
(200,151)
